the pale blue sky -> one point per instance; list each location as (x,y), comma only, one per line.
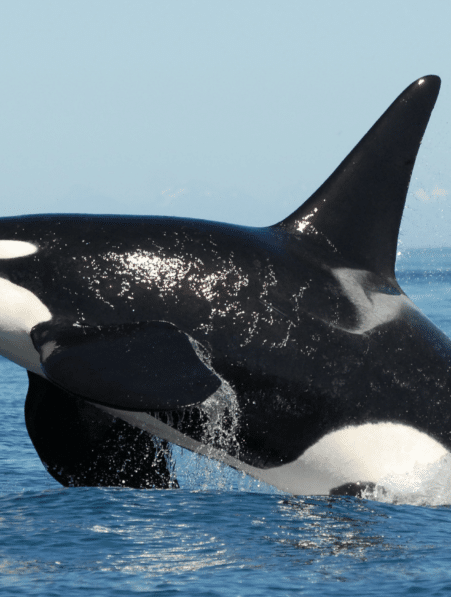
(230,110)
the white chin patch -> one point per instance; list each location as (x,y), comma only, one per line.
(20,311)
(10,249)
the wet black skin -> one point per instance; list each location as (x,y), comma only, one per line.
(82,446)
(303,352)
(289,395)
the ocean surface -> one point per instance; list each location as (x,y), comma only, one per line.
(222,533)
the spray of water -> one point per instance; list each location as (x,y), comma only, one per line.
(424,486)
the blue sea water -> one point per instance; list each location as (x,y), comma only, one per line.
(221,534)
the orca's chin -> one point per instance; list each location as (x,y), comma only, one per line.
(20,311)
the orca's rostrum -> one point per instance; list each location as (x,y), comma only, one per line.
(288,352)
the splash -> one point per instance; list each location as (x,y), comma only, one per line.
(425,485)
(199,473)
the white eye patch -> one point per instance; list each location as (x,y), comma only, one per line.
(9,249)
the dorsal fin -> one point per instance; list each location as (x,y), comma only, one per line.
(358,209)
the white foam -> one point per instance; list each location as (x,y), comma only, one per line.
(427,485)
(11,249)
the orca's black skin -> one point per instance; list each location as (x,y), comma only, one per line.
(358,489)
(82,446)
(302,324)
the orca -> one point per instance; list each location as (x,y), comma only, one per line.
(289,352)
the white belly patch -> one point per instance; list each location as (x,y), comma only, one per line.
(20,311)
(367,453)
